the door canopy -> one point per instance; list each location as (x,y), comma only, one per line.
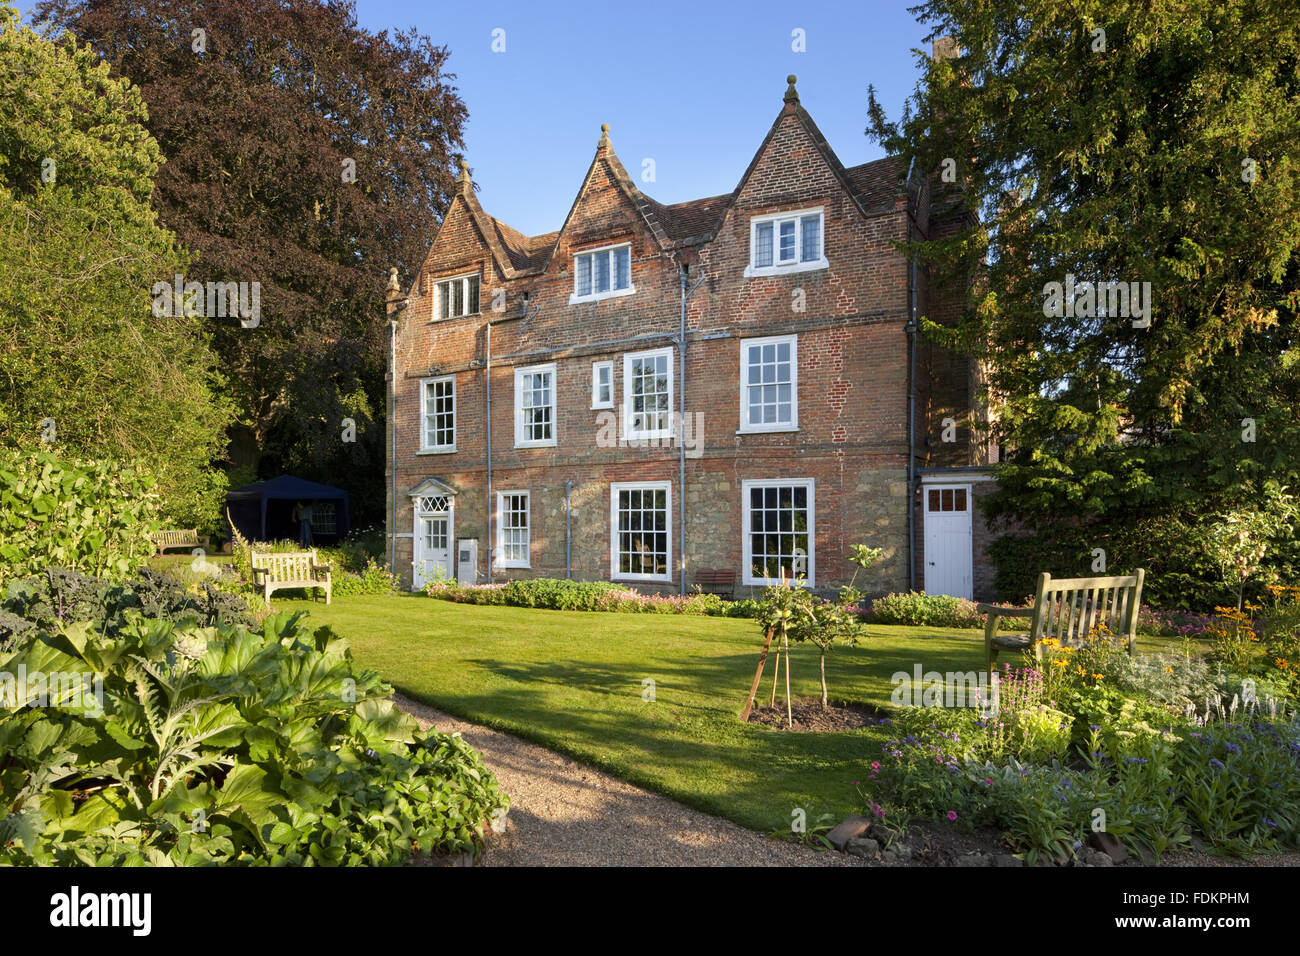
(432,496)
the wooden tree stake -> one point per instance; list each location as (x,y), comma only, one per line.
(758,676)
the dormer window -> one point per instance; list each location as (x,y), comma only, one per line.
(602,273)
(453,298)
(786,242)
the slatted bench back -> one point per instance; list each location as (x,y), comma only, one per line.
(177,539)
(286,566)
(1069,609)
(709,576)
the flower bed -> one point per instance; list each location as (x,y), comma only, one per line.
(1149,749)
(558,595)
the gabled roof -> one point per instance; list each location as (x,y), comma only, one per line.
(873,188)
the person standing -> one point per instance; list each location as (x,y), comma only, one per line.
(302,514)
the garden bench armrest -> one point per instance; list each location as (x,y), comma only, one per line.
(1005,611)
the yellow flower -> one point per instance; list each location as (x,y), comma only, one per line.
(1170,669)
(1098,676)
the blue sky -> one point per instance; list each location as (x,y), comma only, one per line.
(692,85)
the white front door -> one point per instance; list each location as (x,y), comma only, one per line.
(948,546)
(433,543)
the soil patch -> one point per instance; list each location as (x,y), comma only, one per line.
(941,844)
(809,716)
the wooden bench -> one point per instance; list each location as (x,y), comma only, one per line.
(1068,609)
(720,581)
(187,539)
(277,571)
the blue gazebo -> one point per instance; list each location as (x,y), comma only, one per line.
(263,511)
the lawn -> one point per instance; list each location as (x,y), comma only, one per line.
(572,681)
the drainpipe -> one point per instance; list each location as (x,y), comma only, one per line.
(568,533)
(681,388)
(487,391)
(392,425)
(911,329)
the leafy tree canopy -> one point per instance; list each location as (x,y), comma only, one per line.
(85,367)
(1138,143)
(309,155)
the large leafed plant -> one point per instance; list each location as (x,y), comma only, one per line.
(166,743)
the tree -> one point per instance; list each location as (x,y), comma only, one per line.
(782,609)
(1240,543)
(826,624)
(306,154)
(85,367)
(1151,144)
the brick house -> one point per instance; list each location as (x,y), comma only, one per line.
(655,390)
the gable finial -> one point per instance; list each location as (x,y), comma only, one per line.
(604,137)
(463,181)
(392,280)
(791,94)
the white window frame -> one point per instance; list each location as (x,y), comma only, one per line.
(425,448)
(520,440)
(613,293)
(614,488)
(596,369)
(438,295)
(505,562)
(629,433)
(776,268)
(748,427)
(746,536)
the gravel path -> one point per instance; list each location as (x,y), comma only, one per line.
(563,813)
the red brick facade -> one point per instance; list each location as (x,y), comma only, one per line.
(847,317)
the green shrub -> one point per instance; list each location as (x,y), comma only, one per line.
(89,516)
(746,608)
(223,745)
(919,609)
(373,578)
(60,596)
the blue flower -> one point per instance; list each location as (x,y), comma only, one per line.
(1216,763)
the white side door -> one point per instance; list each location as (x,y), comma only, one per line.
(949,551)
(433,541)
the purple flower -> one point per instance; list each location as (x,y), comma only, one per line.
(952,815)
